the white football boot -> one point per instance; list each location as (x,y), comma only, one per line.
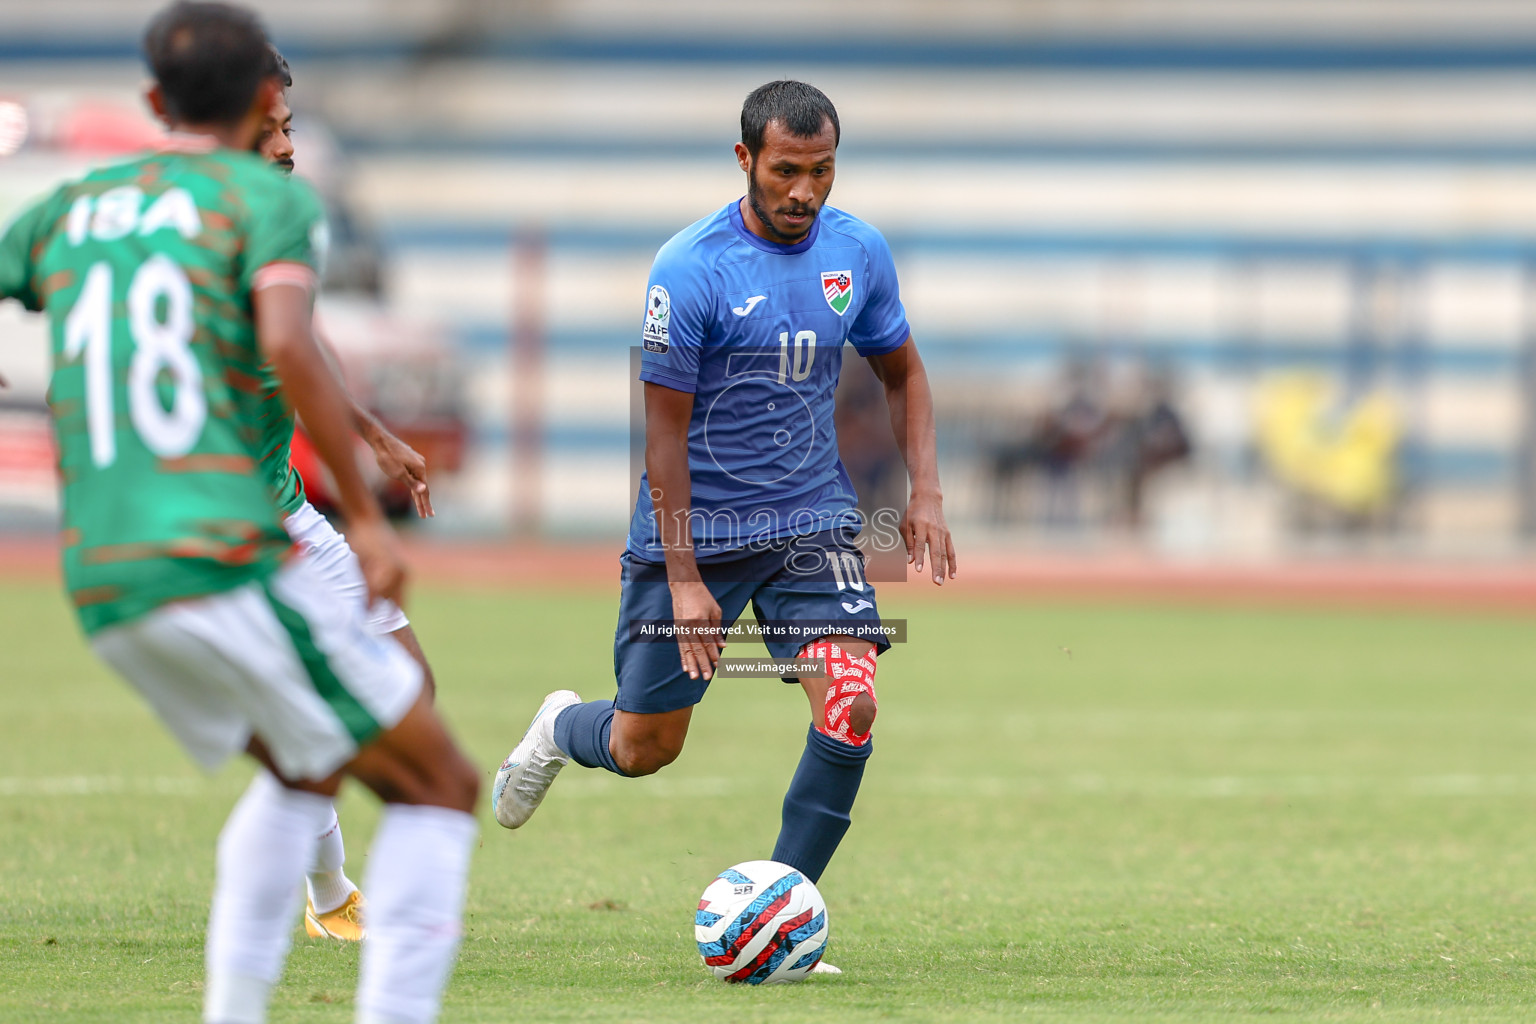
(525,775)
(824,968)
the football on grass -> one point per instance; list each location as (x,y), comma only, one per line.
(761,921)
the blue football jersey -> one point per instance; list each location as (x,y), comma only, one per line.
(755,330)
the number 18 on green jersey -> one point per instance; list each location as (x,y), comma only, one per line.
(160,405)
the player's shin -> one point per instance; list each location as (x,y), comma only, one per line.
(328,883)
(821,795)
(263,850)
(817,806)
(418,866)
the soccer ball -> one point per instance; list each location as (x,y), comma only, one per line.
(761,921)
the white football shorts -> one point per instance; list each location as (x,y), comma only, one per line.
(281,659)
(343,574)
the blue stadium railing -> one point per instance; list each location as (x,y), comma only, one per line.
(849,49)
(1357,354)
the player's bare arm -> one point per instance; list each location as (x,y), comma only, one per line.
(667,415)
(396,459)
(911,404)
(283,315)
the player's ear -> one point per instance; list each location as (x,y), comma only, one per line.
(155,97)
(743,157)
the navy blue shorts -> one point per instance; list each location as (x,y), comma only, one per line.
(812,586)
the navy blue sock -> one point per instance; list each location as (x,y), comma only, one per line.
(582,731)
(817,804)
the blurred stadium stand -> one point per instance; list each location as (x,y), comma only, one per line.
(1314,221)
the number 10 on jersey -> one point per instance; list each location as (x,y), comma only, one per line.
(796,365)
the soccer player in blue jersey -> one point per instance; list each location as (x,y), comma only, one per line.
(744,498)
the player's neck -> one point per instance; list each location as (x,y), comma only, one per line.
(226,136)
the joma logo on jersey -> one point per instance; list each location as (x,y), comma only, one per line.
(837,286)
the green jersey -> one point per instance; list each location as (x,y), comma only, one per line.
(161,410)
(276,446)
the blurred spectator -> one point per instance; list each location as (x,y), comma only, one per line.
(1085,447)
(1057,445)
(1151,438)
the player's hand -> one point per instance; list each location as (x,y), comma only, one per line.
(399,461)
(695,608)
(923,529)
(378,551)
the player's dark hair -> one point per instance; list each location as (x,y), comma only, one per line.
(802,109)
(208,59)
(284,73)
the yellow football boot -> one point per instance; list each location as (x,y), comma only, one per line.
(345,923)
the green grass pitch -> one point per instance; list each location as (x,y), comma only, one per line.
(1075,812)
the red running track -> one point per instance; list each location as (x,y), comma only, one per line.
(1028,576)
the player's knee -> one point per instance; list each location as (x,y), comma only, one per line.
(861,715)
(646,757)
(452,782)
(645,744)
(850,704)
(434,775)
(464,786)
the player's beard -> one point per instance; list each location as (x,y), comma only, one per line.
(755,200)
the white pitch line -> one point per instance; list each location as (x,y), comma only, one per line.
(99,785)
(1087,785)
(706,787)
(1233,786)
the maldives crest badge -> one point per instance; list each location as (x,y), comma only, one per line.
(837,286)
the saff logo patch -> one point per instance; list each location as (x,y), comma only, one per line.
(658,320)
(837,286)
